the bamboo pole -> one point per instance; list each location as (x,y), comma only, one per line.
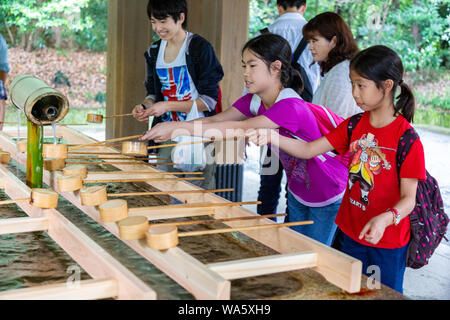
(155,193)
(104,142)
(14,201)
(206,221)
(103,173)
(180,144)
(266,226)
(118,115)
(106,158)
(35,159)
(142,180)
(123,163)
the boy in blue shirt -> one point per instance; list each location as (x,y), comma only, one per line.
(181,68)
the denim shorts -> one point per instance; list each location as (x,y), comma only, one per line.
(391,262)
(3,95)
(323,228)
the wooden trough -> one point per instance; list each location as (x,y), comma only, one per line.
(212,281)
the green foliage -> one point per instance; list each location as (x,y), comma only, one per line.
(37,23)
(419,30)
(95,16)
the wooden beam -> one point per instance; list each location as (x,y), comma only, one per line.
(224,23)
(338,268)
(88,254)
(84,290)
(17,225)
(129,35)
(264,265)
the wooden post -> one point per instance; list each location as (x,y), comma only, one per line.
(129,35)
(224,23)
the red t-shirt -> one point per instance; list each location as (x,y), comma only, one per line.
(373,185)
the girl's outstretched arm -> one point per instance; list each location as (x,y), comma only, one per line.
(217,129)
(374,229)
(294,147)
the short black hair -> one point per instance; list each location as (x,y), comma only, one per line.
(291,3)
(161,9)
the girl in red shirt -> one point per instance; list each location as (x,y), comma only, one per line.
(373,219)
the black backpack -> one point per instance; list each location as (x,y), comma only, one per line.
(307,92)
(428,218)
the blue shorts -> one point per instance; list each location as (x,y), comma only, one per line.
(391,262)
(323,228)
(3,95)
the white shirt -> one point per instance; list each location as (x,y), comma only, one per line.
(335,91)
(290,25)
(175,78)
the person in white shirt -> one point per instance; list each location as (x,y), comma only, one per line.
(289,25)
(332,46)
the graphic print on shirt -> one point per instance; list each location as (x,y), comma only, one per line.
(367,160)
(174,87)
(295,168)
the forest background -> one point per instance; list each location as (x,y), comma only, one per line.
(64,42)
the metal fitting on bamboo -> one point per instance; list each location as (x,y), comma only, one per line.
(93,196)
(113,210)
(55,151)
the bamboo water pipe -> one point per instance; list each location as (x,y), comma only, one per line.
(166,236)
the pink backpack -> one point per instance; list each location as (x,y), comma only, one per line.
(326,119)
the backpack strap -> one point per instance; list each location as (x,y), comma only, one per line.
(404,145)
(300,48)
(354,120)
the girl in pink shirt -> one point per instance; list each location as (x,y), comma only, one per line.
(315,186)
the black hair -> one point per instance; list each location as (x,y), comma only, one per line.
(161,9)
(380,63)
(291,3)
(270,47)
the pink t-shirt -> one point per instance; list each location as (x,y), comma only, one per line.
(316,182)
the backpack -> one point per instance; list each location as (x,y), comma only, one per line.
(428,219)
(307,92)
(326,119)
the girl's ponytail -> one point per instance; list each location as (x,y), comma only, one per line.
(291,78)
(380,63)
(405,102)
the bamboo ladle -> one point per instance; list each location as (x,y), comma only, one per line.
(42,198)
(98,118)
(166,236)
(134,227)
